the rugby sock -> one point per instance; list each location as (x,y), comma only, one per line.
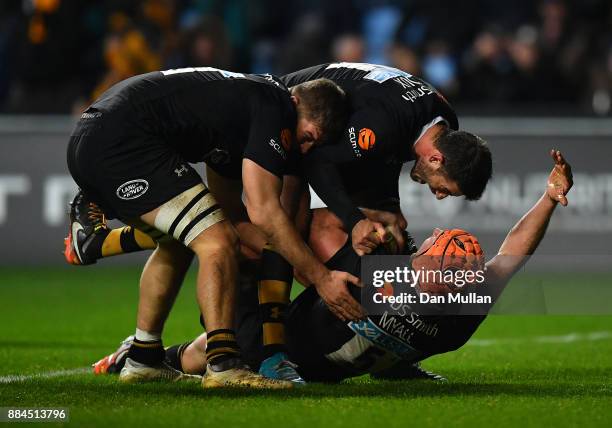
(174,355)
(147,348)
(126,240)
(146,336)
(274,287)
(221,346)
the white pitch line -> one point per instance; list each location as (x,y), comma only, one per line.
(45,375)
(565,338)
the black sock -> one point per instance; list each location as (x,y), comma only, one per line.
(221,346)
(174,354)
(149,353)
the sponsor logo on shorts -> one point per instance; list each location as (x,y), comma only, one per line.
(367,138)
(132,189)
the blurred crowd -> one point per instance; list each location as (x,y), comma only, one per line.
(487,56)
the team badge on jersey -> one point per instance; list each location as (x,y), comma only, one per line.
(367,139)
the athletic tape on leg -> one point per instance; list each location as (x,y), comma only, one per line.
(187,215)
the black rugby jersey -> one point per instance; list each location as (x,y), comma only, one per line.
(388,109)
(327,348)
(209,115)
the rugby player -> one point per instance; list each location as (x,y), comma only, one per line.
(394,118)
(328,349)
(130,152)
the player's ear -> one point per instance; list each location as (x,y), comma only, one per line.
(296,100)
(436,159)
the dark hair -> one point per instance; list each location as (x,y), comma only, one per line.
(323,102)
(467,160)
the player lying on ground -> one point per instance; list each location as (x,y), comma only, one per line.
(129,154)
(327,349)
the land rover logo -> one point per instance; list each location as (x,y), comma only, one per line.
(132,189)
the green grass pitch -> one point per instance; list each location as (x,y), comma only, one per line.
(518,370)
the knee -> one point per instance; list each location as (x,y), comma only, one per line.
(174,251)
(220,240)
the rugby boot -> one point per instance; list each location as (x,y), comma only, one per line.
(407,371)
(234,373)
(135,372)
(279,367)
(88,230)
(113,363)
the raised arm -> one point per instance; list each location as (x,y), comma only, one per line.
(524,238)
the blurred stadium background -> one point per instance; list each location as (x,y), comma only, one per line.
(485,55)
(526,75)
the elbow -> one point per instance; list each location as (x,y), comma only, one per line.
(256,214)
(263,215)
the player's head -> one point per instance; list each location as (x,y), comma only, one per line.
(458,163)
(455,251)
(473,247)
(429,241)
(321,112)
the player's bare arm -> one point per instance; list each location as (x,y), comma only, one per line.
(262,198)
(293,190)
(524,238)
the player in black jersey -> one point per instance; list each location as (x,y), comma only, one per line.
(387,346)
(394,118)
(130,154)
